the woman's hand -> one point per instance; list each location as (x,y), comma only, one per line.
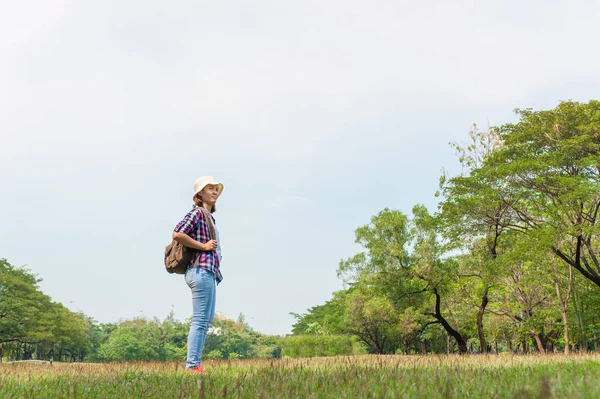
(210,245)
(189,242)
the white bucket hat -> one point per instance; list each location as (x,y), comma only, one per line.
(204,181)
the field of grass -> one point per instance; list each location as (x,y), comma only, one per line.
(558,376)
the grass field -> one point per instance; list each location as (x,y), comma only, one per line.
(558,376)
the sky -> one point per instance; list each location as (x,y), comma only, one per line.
(315,115)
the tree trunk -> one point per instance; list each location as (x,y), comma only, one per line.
(462,344)
(480,313)
(564,303)
(578,316)
(566,327)
(27,352)
(538,340)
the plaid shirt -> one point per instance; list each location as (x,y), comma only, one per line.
(194,225)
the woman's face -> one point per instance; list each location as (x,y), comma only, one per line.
(209,194)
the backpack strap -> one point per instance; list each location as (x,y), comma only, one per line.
(208,221)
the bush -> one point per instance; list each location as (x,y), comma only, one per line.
(267,351)
(213,355)
(317,345)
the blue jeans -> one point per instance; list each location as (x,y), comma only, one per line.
(203,286)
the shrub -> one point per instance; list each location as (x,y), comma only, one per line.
(317,345)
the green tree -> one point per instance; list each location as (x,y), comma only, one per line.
(374,320)
(22,305)
(424,279)
(475,216)
(31,324)
(231,339)
(323,319)
(122,345)
(143,339)
(550,163)
(68,331)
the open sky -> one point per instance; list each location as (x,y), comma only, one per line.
(314,114)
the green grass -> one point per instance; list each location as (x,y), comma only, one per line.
(576,376)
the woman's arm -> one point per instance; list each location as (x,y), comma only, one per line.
(189,242)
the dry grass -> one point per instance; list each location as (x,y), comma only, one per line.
(503,376)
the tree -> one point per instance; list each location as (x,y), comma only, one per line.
(122,345)
(550,161)
(420,279)
(438,273)
(563,295)
(374,320)
(22,305)
(323,319)
(230,339)
(487,265)
(473,213)
(68,332)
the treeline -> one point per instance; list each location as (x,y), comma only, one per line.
(153,340)
(510,261)
(32,326)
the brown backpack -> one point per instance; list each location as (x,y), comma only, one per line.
(179,257)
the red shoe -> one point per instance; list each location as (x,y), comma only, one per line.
(196,370)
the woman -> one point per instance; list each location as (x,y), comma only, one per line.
(204,273)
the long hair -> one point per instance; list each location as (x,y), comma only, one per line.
(198,203)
